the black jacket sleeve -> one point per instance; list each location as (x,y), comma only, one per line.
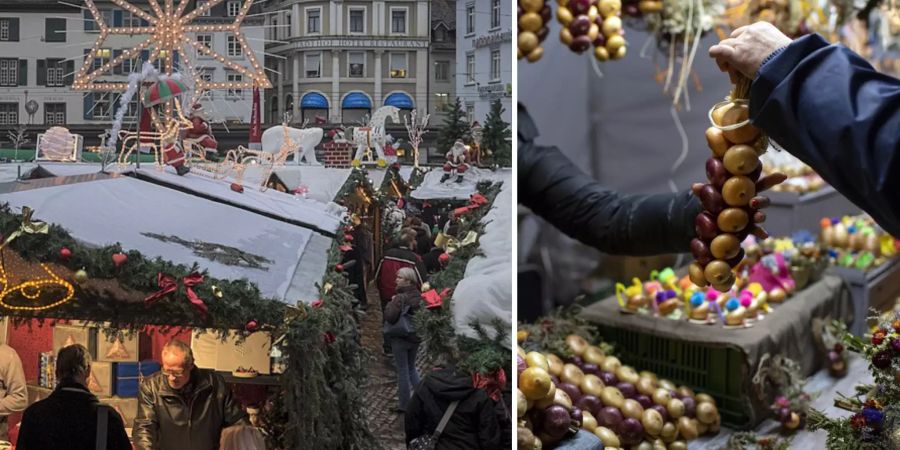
(830,108)
(414,420)
(554,188)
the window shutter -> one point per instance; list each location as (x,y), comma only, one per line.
(69,77)
(117,18)
(117,69)
(88,104)
(55,29)
(14,29)
(89,24)
(41,72)
(23,72)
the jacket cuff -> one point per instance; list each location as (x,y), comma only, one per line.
(779,67)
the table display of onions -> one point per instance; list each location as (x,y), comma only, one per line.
(596,392)
(730,201)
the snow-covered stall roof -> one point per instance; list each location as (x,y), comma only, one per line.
(324,215)
(323,182)
(10,172)
(284,259)
(485,292)
(432,188)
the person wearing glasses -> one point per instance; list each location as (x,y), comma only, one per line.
(182,406)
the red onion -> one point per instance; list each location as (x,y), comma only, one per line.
(573,391)
(690,406)
(610,417)
(590,368)
(631,432)
(645,401)
(628,390)
(577,416)
(556,421)
(589,403)
(662,411)
(521,364)
(609,378)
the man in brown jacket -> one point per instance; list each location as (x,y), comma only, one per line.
(182,406)
(13,394)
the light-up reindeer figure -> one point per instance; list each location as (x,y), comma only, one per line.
(169,130)
(236,160)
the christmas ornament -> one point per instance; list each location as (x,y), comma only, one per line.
(81,276)
(318,303)
(169,285)
(533,18)
(65,253)
(730,199)
(444,258)
(119,259)
(237,188)
(327,287)
(339,268)
(329,337)
(251,326)
(348,237)
(345,248)
(217,292)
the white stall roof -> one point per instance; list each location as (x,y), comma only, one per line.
(432,188)
(323,215)
(485,292)
(284,259)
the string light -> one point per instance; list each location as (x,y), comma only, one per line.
(168,31)
(33,288)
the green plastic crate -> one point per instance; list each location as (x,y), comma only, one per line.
(716,371)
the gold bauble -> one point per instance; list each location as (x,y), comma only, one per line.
(81,276)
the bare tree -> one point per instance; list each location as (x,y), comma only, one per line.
(415,126)
(18,138)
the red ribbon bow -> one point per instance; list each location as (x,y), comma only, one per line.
(168,285)
(492,384)
(435,300)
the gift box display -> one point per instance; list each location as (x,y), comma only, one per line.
(65,335)
(211,353)
(128,376)
(121,348)
(100,381)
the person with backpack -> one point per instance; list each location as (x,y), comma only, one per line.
(72,418)
(400,333)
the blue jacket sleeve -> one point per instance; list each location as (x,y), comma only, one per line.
(830,108)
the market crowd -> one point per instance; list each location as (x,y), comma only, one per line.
(447,400)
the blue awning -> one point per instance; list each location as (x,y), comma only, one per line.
(314,100)
(399,100)
(356,100)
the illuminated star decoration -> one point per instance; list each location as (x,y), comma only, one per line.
(168,33)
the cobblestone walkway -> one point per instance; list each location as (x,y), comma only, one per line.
(381,394)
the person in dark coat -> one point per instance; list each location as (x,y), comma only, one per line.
(828,107)
(68,418)
(572,201)
(473,426)
(182,406)
(404,348)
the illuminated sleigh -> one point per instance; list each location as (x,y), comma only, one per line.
(238,159)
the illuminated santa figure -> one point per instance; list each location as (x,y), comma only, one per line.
(390,149)
(200,135)
(456,162)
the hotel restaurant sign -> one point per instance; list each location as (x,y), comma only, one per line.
(492,39)
(493,91)
(344,42)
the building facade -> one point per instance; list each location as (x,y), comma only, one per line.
(484,54)
(44,42)
(337,61)
(443,58)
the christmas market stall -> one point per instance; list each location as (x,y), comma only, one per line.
(256,281)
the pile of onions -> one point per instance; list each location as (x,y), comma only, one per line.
(599,394)
(533,18)
(596,23)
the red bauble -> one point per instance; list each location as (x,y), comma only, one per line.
(65,253)
(318,303)
(444,258)
(251,326)
(348,237)
(339,267)
(329,337)
(237,188)
(119,259)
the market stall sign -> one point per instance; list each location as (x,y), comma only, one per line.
(491,39)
